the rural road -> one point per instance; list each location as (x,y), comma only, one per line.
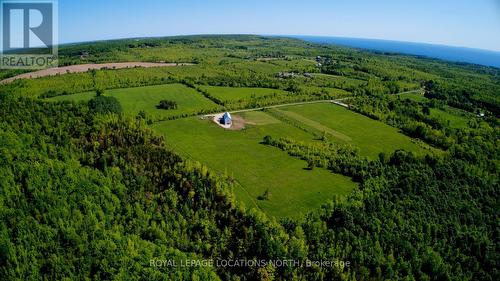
(417,91)
(337,102)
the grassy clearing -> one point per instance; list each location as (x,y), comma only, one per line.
(372,137)
(256,167)
(455,118)
(229,94)
(134,100)
(319,129)
(333,92)
(258,118)
(256,67)
(411,96)
(294,64)
(80,97)
(336,81)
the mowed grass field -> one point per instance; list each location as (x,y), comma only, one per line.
(293,189)
(134,100)
(229,94)
(370,136)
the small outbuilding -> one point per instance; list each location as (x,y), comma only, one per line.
(226,119)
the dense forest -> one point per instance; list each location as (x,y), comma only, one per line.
(89,193)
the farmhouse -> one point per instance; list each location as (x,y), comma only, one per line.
(226,119)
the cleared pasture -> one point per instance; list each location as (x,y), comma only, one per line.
(372,137)
(135,100)
(255,167)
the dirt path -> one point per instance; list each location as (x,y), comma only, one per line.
(239,122)
(337,102)
(417,91)
(86,67)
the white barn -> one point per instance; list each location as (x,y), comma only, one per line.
(226,119)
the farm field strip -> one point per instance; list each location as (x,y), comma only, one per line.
(79,68)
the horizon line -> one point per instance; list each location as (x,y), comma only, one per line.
(292,36)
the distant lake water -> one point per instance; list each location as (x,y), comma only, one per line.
(455,54)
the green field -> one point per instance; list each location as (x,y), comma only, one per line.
(258,118)
(455,118)
(229,94)
(372,137)
(411,96)
(256,167)
(134,100)
(333,92)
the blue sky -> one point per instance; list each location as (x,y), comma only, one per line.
(467,23)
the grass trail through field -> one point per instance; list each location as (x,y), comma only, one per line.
(318,126)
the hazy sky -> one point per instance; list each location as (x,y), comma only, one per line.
(469,23)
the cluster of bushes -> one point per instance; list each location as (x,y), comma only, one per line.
(339,158)
(167,104)
(105,104)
